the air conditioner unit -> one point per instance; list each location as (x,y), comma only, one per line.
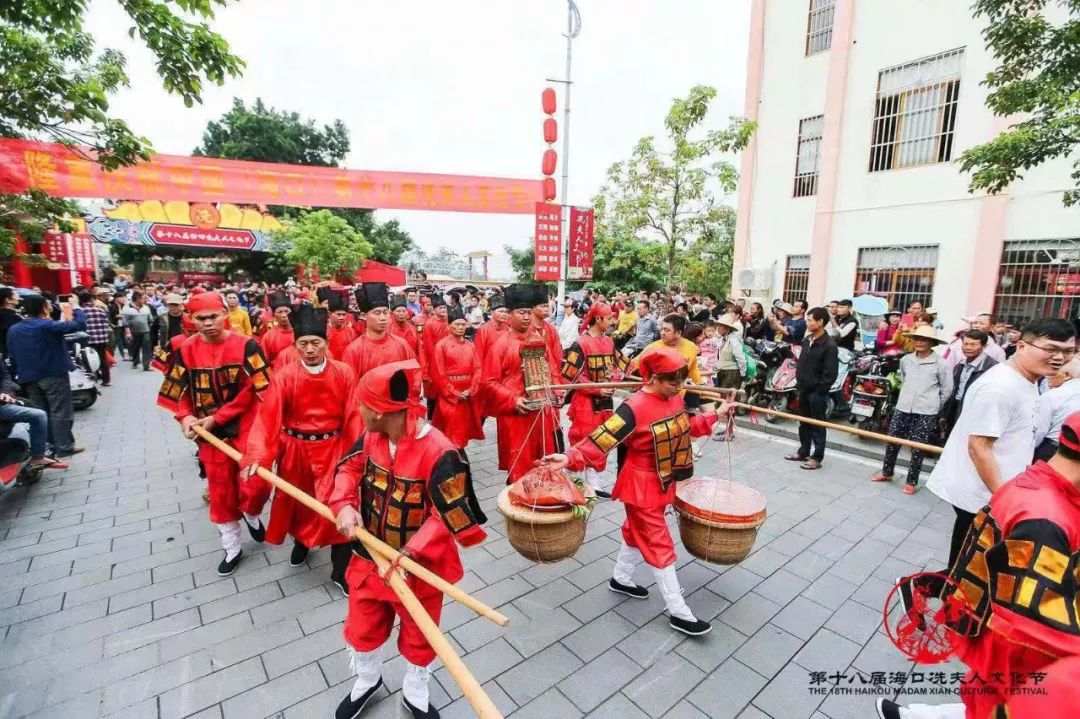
(754,278)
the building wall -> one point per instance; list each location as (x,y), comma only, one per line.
(912,206)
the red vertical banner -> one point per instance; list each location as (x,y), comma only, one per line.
(55,248)
(548,263)
(580,251)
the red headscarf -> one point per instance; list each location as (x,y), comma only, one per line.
(387,387)
(660,360)
(204,301)
(598,310)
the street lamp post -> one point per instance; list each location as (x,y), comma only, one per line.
(573,27)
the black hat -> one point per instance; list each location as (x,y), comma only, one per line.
(308,321)
(397,300)
(495,302)
(280,298)
(370,295)
(337,302)
(324,294)
(437,300)
(525,296)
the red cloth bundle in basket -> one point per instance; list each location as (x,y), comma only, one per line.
(543,487)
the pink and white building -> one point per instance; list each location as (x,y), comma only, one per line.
(851,184)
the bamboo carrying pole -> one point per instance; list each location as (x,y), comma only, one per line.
(728,393)
(470,688)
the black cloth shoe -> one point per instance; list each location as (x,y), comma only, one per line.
(431,713)
(257,533)
(695,628)
(602,494)
(299,554)
(227,567)
(349,709)
(887,709)
(630,590)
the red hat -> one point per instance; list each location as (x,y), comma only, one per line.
(187,325)
(205,301)
(1070,432)
(598,310)
(661,359)
(387,387)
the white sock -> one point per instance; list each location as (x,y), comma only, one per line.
(252,519)
(367,666)
(933,711)
(230,539)
(414,686)
(629,557)
(671,591)
(592,478)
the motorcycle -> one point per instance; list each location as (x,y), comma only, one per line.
(778,393)
(15,469)
(877,387)
(83,379)
(841,392)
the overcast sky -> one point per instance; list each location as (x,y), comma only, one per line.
(454,87)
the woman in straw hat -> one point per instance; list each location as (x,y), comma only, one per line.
(927,384)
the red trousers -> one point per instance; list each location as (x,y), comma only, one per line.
(646,531)
(229,497)
(372,607)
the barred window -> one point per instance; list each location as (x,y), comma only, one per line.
(807,156)
(819,26)
(915,112)
(796,278)
(901,275)
(1038,278)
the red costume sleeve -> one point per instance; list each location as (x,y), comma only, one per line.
(352,425)
(474,387)
(440,381)
(352,354)
(591,451)
(175,394)
(554,352)
(346,492)
(262,444)
(701,425)
(499,400)
(573,365)
(453,504)
(256,380)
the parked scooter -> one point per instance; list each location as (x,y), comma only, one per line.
(779,391)
(83,379)
(876,390)
(15,469)
(840,394)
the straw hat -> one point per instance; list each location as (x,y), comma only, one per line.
(786,307)
(925,333)
(174,299)
(730,321)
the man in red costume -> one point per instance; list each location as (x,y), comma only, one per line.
(494,328)
(542,329)
(456,379)
(402,326)
(340,332)
(653,431)
(213,381)
(1016,576)
(376,346)
(592,358)
(436,326)
(305,424)
(407,484)
(531,425)
(279,336)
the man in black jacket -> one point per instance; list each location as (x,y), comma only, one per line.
(975,362)
(814,375)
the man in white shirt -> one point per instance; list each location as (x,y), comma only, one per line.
(1062,400)
(570,325)
(994,437)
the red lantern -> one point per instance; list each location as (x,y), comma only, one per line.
(550,160)
(551,131)
(547,101)
(549,189)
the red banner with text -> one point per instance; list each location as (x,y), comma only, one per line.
(547,264)
(62,172)
(580,251)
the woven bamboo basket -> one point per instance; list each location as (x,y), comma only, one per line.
(718,519)
(544,537)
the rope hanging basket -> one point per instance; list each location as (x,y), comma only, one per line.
(544,536)
(718,518)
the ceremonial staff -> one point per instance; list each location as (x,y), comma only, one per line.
(382,554)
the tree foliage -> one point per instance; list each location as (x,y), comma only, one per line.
(667,195)
(1037,78)
(388,241)
(264,134)
(706,264)
(322,241)
(522,262)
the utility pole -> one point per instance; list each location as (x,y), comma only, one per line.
(573,27)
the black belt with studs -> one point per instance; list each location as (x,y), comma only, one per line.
(311,436)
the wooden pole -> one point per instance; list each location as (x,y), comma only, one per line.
(470,688)
(364,536)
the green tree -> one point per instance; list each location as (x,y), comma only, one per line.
(388,241)
(1037,78)
(322,241)
(522,262)
(264,134)
(667,196)
(54,85)
(706,265)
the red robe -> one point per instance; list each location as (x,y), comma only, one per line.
(457,370)
(275,340)
(408,332)
(653,439)
(486,337)
(366,352)
(433,332)
(305,424)
(222,380)
(1016,568)
(528,437)
(590,359)
(339,340)
(419,497)
(547,332)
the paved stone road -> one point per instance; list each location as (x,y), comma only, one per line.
(110,605)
